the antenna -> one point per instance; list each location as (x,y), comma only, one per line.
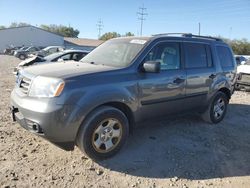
(142,15)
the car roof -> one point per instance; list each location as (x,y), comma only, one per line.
(176,36)
(73,50)
(49,47)
(58,54)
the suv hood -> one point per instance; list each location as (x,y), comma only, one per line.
(66,69)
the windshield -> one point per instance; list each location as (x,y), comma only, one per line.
(53,56)
(116,53)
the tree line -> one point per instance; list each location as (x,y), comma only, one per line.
(239,46)
(66,31)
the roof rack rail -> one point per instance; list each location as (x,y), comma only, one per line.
(200,36)
(190,35)
(172,34)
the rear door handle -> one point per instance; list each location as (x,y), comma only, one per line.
(178,80)
(212,76)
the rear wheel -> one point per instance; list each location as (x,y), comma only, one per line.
(216,109)
(103,133)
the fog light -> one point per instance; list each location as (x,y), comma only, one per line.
(34,126)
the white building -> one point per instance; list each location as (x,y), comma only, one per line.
(28,35)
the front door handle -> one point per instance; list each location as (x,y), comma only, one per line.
(178,80)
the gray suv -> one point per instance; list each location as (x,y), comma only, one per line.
(96,102)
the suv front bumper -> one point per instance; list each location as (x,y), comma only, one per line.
(43,117)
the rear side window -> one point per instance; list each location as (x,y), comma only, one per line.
(225,56)
(197,55)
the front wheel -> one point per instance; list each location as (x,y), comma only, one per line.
(216,109)
(103,133)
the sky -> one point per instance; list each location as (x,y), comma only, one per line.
(226,18)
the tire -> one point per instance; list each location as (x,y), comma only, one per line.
(216,109)
(22,57)
(103,133)
(247,89)
(237,87)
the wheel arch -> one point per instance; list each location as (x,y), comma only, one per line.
(226,91)
(126,110)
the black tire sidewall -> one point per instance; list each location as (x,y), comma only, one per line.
(216,97)
(84,138)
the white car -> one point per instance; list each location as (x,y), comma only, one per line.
(49,50)
(243,81)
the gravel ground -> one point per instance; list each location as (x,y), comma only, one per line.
(183,152)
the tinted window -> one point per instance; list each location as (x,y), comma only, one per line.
(78,56)
(197,55)
(225,56)
(168,54)
(65,57)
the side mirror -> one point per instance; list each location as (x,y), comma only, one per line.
(152,66)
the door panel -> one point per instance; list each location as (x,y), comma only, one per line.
(161,94)
(200,73)
(164,92)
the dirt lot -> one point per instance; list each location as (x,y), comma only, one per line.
(184,152)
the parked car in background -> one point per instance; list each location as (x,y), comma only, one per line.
(243,80)
(96,103)
(11,49)
(65,55)
(240,59)
(49,50)
(24,52)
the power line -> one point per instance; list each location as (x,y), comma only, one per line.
(142,13)
(99,27)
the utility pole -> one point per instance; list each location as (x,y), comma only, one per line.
(199,28)
(99,27)
(142,15)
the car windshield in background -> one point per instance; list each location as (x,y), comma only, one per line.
(52,56)
(116,52)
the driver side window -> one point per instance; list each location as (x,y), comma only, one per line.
(167,53)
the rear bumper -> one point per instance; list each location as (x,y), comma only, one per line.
(56,123)
(243,79)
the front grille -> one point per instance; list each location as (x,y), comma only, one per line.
(23,83)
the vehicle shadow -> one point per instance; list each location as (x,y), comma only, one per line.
(188,148)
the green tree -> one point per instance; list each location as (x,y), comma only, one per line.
(21,24)
(239,46)
(109,35)
(2,27)
(61,30)
(128,34)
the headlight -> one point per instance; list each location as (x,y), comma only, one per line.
(46,87)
